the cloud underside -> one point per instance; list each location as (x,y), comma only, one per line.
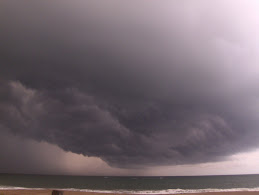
(174,84)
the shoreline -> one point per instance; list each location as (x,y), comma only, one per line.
(71,192)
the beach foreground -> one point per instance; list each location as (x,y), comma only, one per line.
(49,192)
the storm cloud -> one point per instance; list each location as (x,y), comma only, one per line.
(135,83)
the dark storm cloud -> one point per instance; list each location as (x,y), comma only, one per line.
(132,83)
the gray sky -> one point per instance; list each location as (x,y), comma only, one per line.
(134,87)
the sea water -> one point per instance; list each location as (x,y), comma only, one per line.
(137,185)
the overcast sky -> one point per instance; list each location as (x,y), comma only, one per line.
(129,87)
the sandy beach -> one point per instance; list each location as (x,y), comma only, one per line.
(49,192)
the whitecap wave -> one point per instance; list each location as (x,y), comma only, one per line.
(166,191)
(19,188)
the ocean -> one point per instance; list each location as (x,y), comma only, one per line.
(137,185)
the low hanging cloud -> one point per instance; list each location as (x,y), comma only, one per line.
(134,83)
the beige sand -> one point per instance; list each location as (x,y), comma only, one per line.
(48,192)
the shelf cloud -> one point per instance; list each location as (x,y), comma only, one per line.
(135,83)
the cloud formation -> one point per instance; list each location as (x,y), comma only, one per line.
(135,83)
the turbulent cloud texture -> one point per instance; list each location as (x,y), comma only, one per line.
(135,83)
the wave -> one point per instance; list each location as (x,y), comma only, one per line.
(166,191)
(19,188)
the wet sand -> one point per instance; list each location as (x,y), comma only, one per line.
(49,192)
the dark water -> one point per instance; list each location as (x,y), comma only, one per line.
(133,184)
